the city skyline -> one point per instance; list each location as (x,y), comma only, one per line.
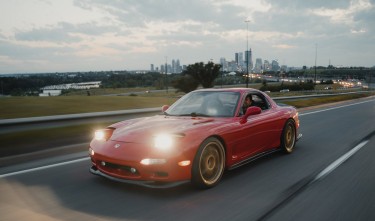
(40,36)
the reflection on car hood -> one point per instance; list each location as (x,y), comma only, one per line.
(143,129)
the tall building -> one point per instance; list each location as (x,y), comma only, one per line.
(258,65)
(152,68)
(173,66)
(275,65)
(240,60)
(266,65)
(248,59)
(178,66)
(224,64)
(236,57)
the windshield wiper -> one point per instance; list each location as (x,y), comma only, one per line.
(195,114)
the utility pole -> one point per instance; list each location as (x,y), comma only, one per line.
(316,56)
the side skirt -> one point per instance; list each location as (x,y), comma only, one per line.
(253,158)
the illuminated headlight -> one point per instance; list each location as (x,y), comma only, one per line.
(99,135)
(163,141)
(104,134)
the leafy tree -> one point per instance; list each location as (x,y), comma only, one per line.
(185,83)
(204,74)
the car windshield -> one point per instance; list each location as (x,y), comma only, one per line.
(206,104)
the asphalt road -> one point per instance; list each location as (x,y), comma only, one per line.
(310,184)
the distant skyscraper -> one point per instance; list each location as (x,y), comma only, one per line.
(173,66)
(258,65)
(236,58)
(248,59)
(266,65)
(178,66)
(224,64)
(275,65)
(152,67)
(240,60)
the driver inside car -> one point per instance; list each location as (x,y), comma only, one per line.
(248,103)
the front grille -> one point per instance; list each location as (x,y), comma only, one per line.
(121,170)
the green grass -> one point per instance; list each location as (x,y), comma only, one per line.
(325,100)
(19,107)
(106,91)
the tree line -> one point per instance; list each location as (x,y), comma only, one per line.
(199,74)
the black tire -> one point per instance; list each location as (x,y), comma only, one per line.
(288,137)
(209,164)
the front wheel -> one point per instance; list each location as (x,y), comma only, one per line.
(209,164)
(288,137)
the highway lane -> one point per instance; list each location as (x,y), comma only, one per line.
(346,194)
(276,187)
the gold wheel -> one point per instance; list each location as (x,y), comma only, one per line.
(289,137)
(209,164)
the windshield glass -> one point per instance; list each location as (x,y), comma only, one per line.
(206,103)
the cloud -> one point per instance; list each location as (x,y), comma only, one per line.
(132,34)
(284,46)
(344,15)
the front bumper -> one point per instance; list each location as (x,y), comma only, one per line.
(145,183)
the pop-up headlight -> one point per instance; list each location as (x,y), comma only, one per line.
(163,141)
(166,141)
(104,134)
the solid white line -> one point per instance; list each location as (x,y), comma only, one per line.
(333,108)
(43,167)
(340,161)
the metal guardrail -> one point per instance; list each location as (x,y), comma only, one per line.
(30,120)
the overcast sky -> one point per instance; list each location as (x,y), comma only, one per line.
(94,35)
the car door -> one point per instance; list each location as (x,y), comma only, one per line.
(256,134)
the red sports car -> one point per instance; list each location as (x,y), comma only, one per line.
(196,139)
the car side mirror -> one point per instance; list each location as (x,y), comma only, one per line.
(164,108)
(249,112)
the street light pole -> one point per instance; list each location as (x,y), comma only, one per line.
(247,52)
(316,55)
(166,74)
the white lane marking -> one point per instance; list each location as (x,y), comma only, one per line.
(86,158)
(340,161)
(43,167)
(333,108)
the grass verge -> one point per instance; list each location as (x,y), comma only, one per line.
(325,100)
(19,107)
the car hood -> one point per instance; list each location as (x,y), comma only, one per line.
(142,129)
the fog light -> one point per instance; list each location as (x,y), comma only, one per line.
(133,170)
(103,163)
(184,163)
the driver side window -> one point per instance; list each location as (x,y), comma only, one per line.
(256,100)
(261,102)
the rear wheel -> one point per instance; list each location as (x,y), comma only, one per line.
(288,137)
(209,164)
